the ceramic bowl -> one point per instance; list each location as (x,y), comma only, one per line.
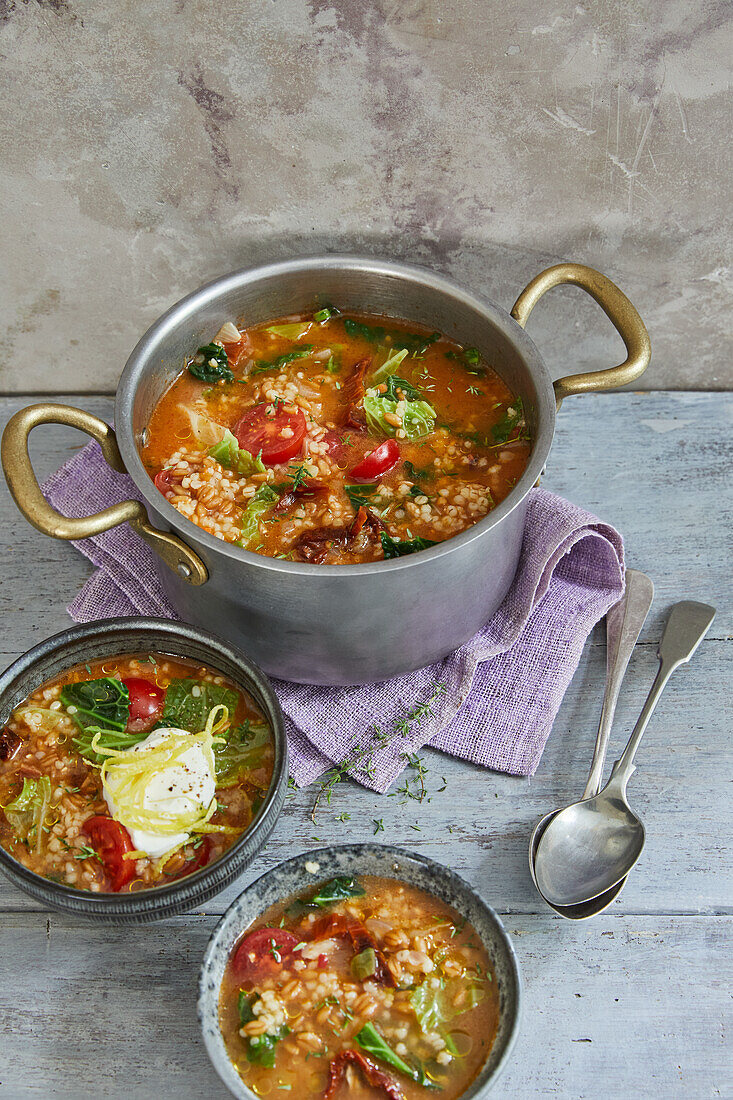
(114,637)
(361,859)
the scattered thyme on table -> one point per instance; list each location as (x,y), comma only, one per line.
(361,758)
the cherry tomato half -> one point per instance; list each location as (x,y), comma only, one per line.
(261,430)
(263,951)
(110,841)
(146,703)
(378,462)
(163,481)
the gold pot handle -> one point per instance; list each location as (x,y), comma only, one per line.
(617,308)
(26,491)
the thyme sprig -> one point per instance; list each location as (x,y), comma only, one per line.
(361,758)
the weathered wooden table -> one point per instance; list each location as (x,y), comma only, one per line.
(632,1003)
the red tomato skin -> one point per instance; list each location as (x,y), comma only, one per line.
(110,841)
(259,433)
(163,481)
(322,962)
(378,462)
(260,944)
(146,703)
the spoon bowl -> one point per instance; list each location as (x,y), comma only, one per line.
(584,909)
(590,846)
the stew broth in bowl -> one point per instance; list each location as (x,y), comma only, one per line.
(360,987)
(336,438)
(132,772)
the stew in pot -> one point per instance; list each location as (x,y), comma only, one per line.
(336,438)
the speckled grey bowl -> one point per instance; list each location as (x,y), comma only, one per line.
(360,859)
(115,637)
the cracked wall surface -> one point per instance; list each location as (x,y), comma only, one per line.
(149,147)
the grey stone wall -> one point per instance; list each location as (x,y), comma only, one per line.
(150,146)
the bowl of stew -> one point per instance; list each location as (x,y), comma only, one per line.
(143,764)
(333,450)
(359,971)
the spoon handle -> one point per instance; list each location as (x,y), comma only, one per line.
(687,625)
(623,627)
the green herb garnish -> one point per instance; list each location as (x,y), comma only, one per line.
(260,1048)
(263,365)
(211,364)
(359,495)
(418,475)
(372,1042)
(509,422)
(185,710)
(299,475)
(414,343)
(243,750)
(336,889)
(394,548)
(103,702)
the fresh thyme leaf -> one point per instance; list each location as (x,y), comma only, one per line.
(298,473)
(85,852)
(378,823)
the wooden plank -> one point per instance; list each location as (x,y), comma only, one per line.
(623,1006)
(678,785)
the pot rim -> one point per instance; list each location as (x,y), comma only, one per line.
(146,350)
(174,897)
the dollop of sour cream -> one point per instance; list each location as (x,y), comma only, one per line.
(182,788)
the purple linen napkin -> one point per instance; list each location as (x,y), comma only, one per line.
(493,701)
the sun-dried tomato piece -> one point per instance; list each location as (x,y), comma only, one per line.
(374,1074)
(305,489)
(313,546)
(353,393)
(9,744)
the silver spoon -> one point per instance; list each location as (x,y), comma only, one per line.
(589,847)
(623,626)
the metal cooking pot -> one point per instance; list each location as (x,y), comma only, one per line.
(330,624)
